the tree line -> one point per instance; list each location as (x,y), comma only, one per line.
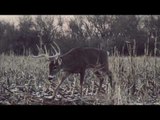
(125,34)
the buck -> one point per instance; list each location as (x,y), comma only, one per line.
(77,60)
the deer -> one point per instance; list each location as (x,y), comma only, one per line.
(77,60)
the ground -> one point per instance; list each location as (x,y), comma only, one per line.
(23,80)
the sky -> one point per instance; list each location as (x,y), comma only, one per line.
(14,18)
(9,18)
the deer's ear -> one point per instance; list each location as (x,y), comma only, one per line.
(59,61)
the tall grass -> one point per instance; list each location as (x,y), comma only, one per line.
(23,80)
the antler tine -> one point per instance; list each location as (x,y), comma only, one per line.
(59,51)
(54,50)
(46,50)
(38,47)
(39,50)
(41,54)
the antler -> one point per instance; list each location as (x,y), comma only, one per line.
(40,50)
(57,52)
(45,53)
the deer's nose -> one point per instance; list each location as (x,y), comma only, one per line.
(50,77)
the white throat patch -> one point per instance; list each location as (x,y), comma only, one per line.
(50,76)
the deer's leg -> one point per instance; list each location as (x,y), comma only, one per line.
(109,73)
(81,80)
(66,74)
(99,75)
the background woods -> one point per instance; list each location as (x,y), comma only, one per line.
(108,32)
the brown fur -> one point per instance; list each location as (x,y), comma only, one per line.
(77,60)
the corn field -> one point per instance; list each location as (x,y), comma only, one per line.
(23,81)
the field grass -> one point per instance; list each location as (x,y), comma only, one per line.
(23,80)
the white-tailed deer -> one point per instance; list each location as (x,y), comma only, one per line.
(77,60)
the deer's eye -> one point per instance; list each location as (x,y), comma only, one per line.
(55,67)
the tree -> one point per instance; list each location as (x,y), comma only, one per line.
(8,35)
(100,26)
(125,30)
(152,29)
(26,36)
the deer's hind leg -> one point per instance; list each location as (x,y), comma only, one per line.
(109,73)
(106,71)
(82,73)
(101,79)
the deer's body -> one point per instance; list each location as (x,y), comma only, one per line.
(77,60)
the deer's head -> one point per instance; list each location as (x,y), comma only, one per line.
(54,67)
(55,60)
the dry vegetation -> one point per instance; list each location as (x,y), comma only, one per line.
(23,80)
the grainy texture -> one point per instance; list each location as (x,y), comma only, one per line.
(23,80)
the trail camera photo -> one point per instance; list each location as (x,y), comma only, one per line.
(79,59)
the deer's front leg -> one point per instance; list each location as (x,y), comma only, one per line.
(65,75)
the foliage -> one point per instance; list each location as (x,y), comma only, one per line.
(106,32)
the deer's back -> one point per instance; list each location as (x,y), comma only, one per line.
(80,58)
